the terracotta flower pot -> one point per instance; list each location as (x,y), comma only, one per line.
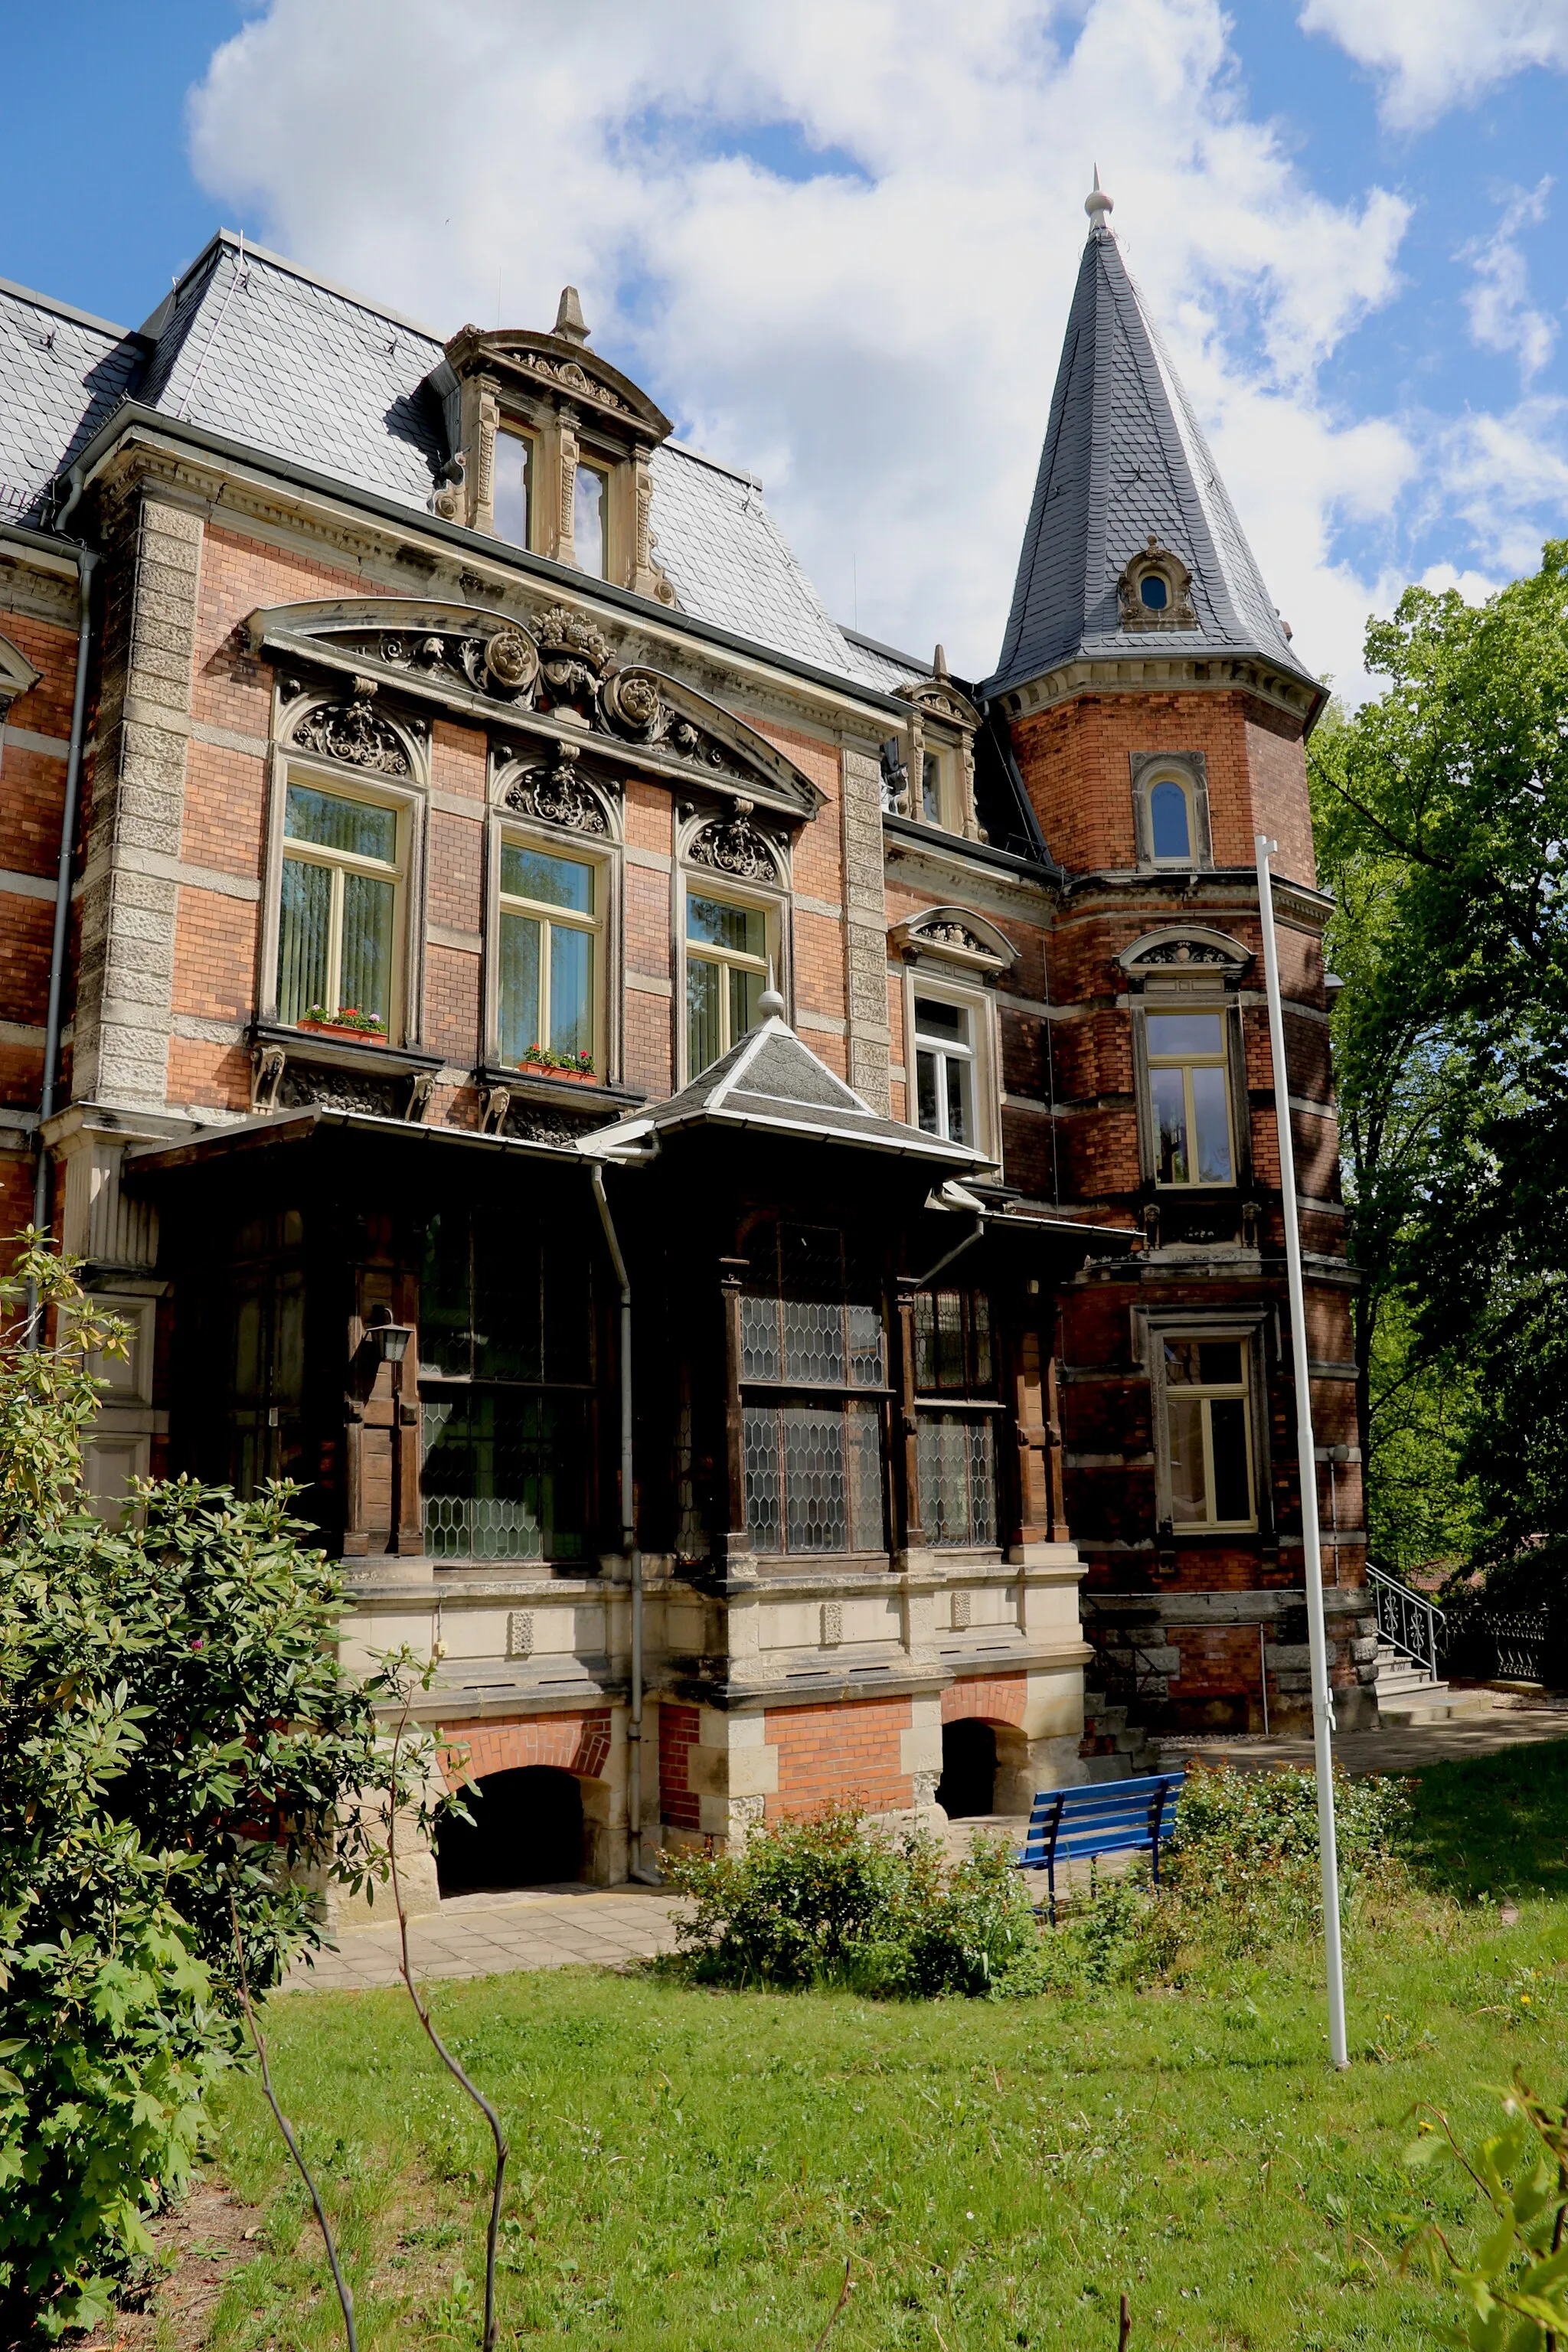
(337,1029)
(545,1070)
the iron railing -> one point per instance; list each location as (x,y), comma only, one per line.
(1509,1646)
(1407,1620)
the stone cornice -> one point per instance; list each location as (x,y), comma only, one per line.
(231,481)
(1150,673)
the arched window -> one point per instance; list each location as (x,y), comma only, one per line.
(1170,822)
(1153,592)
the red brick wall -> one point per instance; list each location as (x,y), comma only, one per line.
(679,1807)
(999,1699)
(830,1755)
(578,1743)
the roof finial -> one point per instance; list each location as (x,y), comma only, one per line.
(770,1002)
(569,323)
(939,663)
(1097,203)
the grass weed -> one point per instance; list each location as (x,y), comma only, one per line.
(691,2165)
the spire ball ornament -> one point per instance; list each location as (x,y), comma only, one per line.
(769,1003)
(1097,203)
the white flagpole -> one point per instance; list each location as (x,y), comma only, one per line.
(1312,1541)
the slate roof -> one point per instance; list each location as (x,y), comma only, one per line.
(269,355)
(1124,456)
(770,1080)
(61,374)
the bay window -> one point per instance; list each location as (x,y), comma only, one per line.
(726,973)
(1208,1432)
(813,1375)
(1189,1088)
(340,910)
(506,1387)
(956,1408)
(548,953)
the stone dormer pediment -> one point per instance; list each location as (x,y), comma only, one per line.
(553,677)
(955,935)
(1182,957)
(534,367)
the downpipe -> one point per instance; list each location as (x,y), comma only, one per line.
(636,1867)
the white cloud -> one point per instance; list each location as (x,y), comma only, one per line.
(1428,56)
(1503,475)
(878,342)
(1502,316)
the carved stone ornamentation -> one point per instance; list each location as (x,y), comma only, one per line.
(951,935)
(271,1061)
(1180,951)
(354,733)
(634,705)
(305,1084)
(421,1087)
(557,795)
(734,845)
(575,653)
(511,661)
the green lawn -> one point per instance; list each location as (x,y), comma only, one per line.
(690,2170)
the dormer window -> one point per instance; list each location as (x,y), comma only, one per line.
(591,520)
(515,459)
(932,782)
(1154,592)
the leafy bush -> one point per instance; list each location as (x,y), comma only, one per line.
(175,1734)
(1514,2284)
(1243,1861)
(833,1899)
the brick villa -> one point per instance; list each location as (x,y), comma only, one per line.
(736,1169)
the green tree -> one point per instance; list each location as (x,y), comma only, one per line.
(175,1734)
(1443,811)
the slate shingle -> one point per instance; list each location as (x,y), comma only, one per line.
(1124,456)
(61,374)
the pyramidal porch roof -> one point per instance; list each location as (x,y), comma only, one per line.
(1124,463)
(769,1080)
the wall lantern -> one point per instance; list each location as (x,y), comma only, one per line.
(389,1340)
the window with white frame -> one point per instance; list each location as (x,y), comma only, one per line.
(1208,1430)
(516,463)
(1189,1090)
(945,1060)
(727,953)
(340,913)
(956,1412)
(548,952)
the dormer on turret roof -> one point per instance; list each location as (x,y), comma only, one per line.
(1133,546)
(550,447)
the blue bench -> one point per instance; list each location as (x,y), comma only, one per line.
(1101,1817)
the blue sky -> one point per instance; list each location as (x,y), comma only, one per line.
(837,242)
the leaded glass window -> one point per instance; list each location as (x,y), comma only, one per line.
(506,1381)
(814,1373)
(956,1384)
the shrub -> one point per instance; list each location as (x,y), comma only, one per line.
(174,1733)
(1243,1865)
(833,1899)
(1512,2287)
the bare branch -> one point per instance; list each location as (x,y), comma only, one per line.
(843,2299)
(492,2234)
(346,2293)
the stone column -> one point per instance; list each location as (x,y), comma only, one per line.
(865,930)
(129,905)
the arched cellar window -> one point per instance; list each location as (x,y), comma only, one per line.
(813,1381)
(526,1831)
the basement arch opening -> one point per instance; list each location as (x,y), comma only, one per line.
(968,1785)
(527,1831)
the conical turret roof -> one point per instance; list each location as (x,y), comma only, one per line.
(1125,464)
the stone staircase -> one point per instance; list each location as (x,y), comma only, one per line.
(1407,1693)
